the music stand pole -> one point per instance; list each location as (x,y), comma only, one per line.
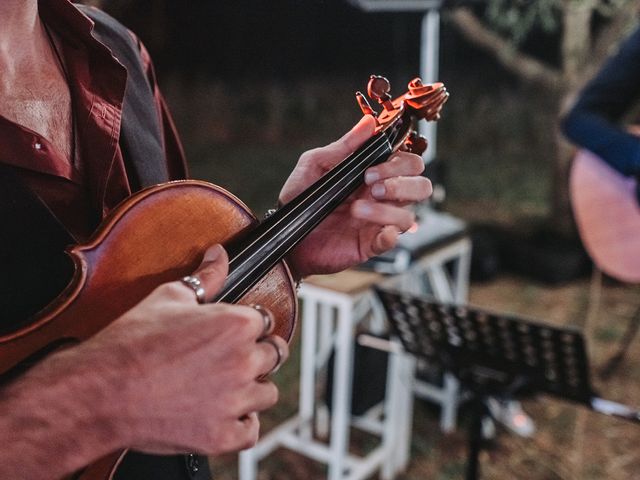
(478,412)
(480,392)
(615,360)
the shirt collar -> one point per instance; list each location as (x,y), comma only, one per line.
(98,80)
(103,88)
(68,21)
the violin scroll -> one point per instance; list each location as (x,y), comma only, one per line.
(425,101)
(364,105)
(378,89)
(428,99)
(415,143)
(399,116)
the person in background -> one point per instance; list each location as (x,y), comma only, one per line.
(597,119)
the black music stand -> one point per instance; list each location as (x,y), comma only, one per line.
(495,355)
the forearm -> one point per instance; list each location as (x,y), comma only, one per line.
(596,120)
(607,140)
(56,419)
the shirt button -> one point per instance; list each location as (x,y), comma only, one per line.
(37,146)
(193,465)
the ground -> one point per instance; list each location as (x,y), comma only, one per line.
(570,443)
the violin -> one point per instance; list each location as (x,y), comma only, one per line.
(160,233)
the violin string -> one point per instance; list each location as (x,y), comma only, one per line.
(290,235)
(268,259)
(331,176)
(389,135)
(236,290)
(390,138)
(393,135)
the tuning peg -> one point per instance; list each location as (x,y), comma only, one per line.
(378,89)
(364,105)
(415,143)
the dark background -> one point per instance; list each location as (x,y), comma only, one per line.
(280,39)
(253,84)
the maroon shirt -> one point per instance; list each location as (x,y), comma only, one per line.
(81,195)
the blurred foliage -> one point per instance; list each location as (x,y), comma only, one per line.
(517,18)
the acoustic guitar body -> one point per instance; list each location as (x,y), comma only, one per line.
(155,236)
(607,215)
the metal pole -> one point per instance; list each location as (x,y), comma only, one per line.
(429,60)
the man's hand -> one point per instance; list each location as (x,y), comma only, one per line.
(169,376)
(371,220)
(191,371)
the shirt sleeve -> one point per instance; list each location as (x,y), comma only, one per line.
(174,152)
(594,120)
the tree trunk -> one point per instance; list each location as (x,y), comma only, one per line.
(576,44)
(561,218)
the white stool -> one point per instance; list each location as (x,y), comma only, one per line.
(333,306)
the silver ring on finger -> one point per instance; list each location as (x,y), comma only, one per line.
(195,284)
(279,357)
(267,319)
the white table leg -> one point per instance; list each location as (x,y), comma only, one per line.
(341,405)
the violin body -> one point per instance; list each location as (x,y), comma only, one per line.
(155,236)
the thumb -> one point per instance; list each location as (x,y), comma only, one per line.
(350,141)
(213,270)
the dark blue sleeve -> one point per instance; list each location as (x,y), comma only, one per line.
(593,122)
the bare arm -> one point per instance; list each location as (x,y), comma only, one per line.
(170,376)
(595,121)
(55,419)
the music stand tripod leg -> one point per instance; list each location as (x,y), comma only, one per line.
(478,412)
(614,361)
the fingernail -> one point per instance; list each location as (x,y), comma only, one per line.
(212,254)
(371,177)
(378,190)
(363,209)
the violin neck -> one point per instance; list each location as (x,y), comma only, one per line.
(256,253)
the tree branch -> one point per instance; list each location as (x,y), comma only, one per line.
(526,67)
(613,33)
(576,40)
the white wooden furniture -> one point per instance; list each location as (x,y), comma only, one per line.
(335,308)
